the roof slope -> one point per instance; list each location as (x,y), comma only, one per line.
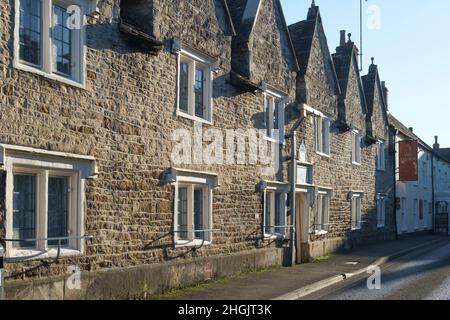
(345,57)
(302,34)
(371,82)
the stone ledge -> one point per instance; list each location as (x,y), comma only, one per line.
(144,280)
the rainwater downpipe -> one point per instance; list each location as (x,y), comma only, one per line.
(293,174)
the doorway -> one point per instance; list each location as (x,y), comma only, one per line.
(302,236)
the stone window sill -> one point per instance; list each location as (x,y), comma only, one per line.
(51,76)
(189,244)
(18,255)
(323,155)
(183,114)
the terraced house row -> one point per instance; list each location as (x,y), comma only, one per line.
(91,116)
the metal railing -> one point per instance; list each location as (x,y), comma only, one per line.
(59,239)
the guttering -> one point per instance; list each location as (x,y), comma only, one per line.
(293,187)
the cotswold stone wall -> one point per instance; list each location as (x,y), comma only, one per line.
(125,119)
(337,172)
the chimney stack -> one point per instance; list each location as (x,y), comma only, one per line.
(386,93)
(342,43)
(436,145)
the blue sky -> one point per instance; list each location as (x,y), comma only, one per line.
(411,48)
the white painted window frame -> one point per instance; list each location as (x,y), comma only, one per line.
(356,211)
(277,104)
(322,135)
(381,155)
(192,179)
(271,190)
(195,60)
(381,211)
(322,228)
(46,68)
(356,147)
(404,214)
(42,163)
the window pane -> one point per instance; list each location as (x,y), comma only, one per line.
(319,215)
(198,212)
(182,213)
(276,115)
(62,42)
(58,209)
(279,217)
(324,212)
(24,209)
(184,84)
(30,31)
(199,93)
(268,117)
(267,213)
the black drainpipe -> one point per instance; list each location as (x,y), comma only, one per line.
(395,185)
(432,193)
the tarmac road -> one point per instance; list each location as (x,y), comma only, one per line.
(421,275)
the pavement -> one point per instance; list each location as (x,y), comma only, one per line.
(307,279)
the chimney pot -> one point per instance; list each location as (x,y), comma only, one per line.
(411,129)
(436,145)
(342,42)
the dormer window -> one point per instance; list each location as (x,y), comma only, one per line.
(194,86)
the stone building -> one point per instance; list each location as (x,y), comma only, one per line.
(87,142)
(344,196)
(138,130)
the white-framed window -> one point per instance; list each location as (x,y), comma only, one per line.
(274,106)
(50,39)
(193,214)
(381,210)
(424,171)
(45,199)
(274,213)
(322,135)
(404,211)
(356,147)
(416,214)
(356,207)
(322,212)
(381,155)
(195,86)
(193,201)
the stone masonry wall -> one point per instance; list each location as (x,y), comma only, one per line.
(337,172)
(125,118)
